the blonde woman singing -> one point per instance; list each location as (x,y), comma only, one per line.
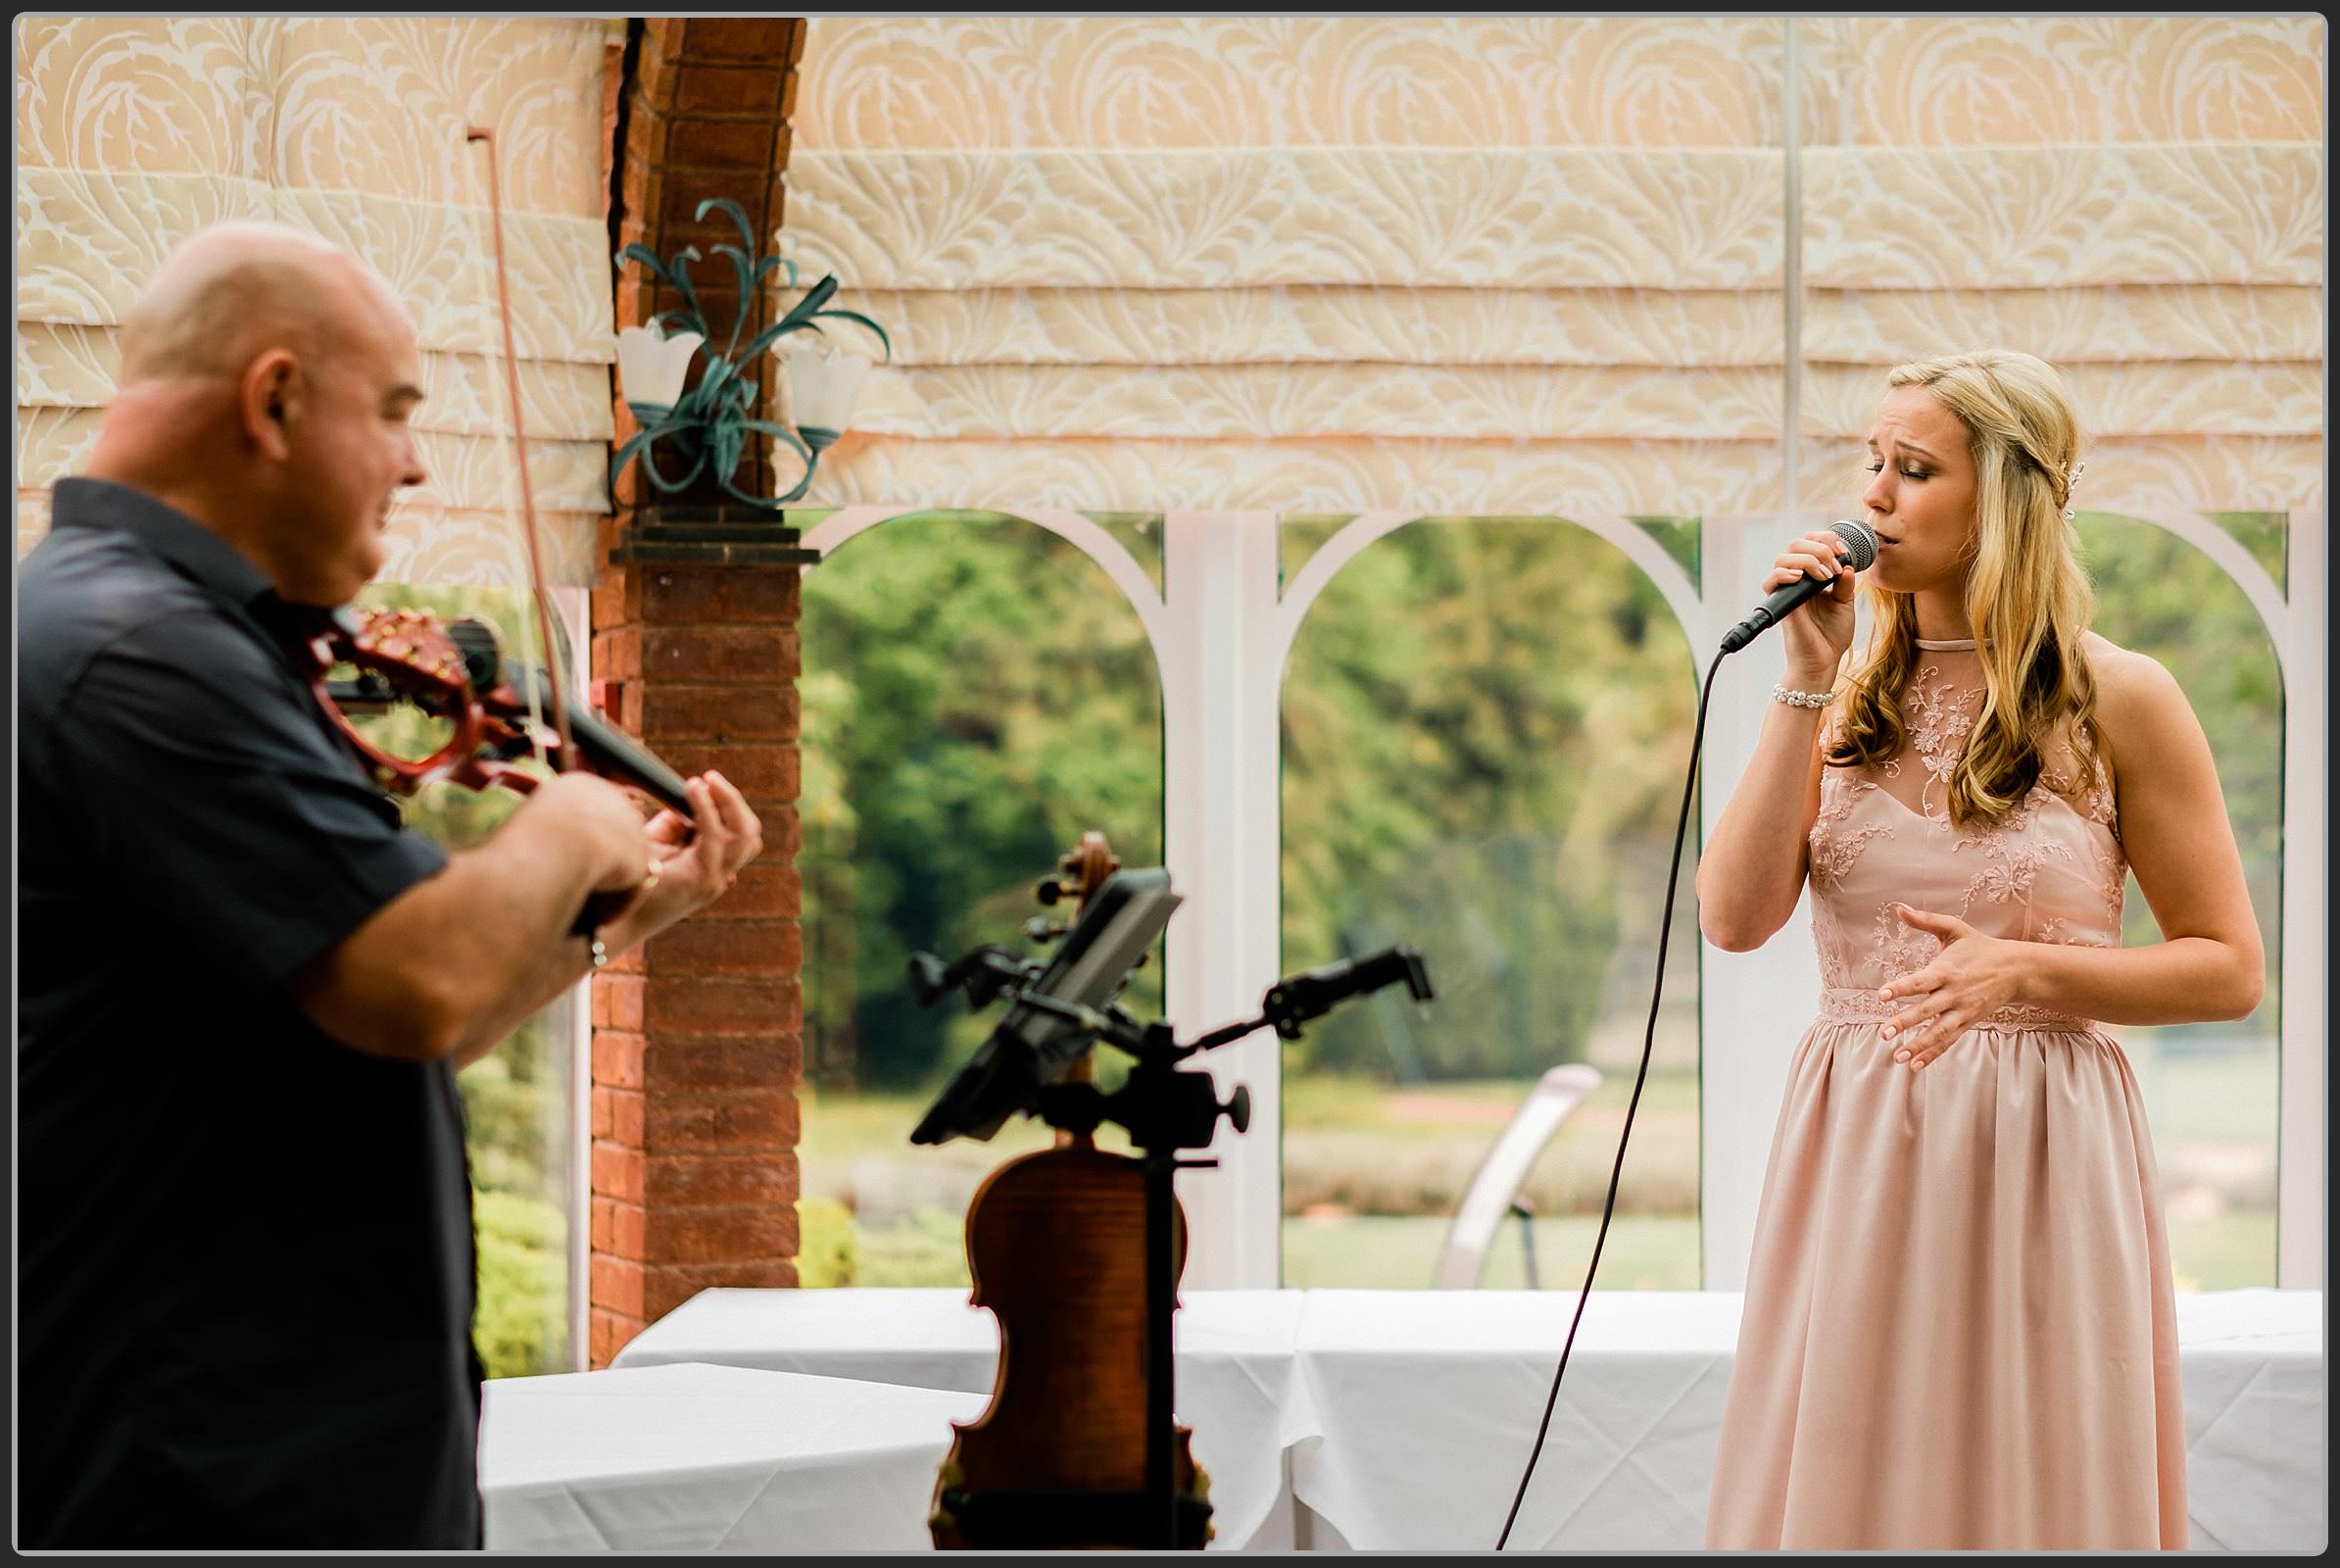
(1960,1328)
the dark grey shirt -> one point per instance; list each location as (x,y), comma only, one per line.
(245,1252)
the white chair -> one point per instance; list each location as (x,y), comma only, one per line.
(1495,1190)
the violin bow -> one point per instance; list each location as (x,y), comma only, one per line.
(554,684)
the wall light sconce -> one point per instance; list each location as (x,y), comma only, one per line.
(709,424)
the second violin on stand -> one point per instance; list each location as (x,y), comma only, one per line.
(1078,1250)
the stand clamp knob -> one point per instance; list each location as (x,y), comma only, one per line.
(1237,1109)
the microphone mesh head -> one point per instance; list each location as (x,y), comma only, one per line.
(482,661)
(1863,541)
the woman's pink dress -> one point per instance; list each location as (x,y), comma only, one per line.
(1959,1329)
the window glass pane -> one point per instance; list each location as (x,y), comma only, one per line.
(1486,727)
(519,1099)
(2266,535)
(2210,1090)
(976,694)
(1298,535)
(1137,533)
(1680,538)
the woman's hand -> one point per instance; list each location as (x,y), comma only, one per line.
(1969,979)
(1819,631)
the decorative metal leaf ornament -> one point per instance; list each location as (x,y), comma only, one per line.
(713,418)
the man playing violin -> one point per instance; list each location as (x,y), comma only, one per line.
(246,1252)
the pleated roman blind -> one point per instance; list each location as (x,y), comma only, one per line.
(133,133)
(2138,200)
(1517,264)
(1498,264)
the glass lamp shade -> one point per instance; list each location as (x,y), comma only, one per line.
(822,390)
(651,370)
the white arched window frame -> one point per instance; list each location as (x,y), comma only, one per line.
(1222,628)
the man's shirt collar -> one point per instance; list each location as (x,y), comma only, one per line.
(195,550)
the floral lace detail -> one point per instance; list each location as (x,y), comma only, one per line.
(1897,949)
(2112,881)
(1834,947)
(1940,718)
(2055,928)
(2010,861)
(1834,852)
(2050,869)
(2097,803)
(1860,1004)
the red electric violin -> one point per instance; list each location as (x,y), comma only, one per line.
(455,672)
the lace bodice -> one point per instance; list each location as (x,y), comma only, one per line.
(2051,870)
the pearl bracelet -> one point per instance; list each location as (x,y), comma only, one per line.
(1780,693)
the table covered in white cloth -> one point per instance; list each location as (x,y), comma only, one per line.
(711,1458)
(1234,1352)
(1428,1402)
(1402,1419)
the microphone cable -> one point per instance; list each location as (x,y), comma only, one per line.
(1689,789)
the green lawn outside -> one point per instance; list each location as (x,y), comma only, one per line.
(1372,1173)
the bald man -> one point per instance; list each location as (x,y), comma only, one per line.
(246,1255)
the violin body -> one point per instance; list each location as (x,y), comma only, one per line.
(1078,1252)
(454,670)
(1056,1247)
(1050,1244)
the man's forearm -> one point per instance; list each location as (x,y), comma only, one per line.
(529,901)
(566,962)
(458,962)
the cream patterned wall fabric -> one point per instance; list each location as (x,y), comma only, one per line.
(1508,264)
(1537,264)
(133,133)
(1315,264)
(2137,199)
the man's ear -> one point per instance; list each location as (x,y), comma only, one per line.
(267,397)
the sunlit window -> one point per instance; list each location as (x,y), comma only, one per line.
(976,694)
(1486,723)
(2212,1091)
(519,1099)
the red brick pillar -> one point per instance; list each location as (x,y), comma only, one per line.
(698,1047)
(697,1035)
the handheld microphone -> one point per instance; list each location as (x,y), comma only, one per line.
(1786,598)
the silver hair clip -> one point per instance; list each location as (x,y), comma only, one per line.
(2070,484)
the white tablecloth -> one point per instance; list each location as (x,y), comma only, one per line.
(1233,1350)
(1429,1400)
(1402,1419)
(711,1458)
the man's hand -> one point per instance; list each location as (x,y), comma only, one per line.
(689,875)
(605,819)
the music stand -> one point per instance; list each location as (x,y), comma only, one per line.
(1032,1049)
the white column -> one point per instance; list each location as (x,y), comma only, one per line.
(1221,834)
(574,607)
(2302,1168)
(1753,1006)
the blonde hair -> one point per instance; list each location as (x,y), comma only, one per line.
(2028,596)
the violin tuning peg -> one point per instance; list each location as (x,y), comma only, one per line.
(1050,890)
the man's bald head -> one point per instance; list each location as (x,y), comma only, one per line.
(238,290)
(268,383)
